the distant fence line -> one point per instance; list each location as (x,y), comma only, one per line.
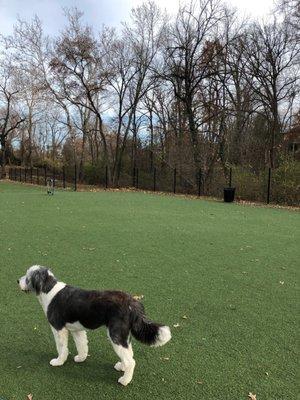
(266,187)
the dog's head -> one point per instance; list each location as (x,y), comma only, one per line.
(37,279)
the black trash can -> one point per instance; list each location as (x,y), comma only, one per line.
(229,194)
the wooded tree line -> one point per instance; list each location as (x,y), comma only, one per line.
(197,90)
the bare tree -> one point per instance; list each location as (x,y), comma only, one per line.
(271,54)
(10,118)
(79,73)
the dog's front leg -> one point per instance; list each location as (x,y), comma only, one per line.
(81,342)
(61,340)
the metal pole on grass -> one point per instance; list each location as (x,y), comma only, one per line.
(106,177)
(64,177)
(45,175)
(199,182)
(75,177)
(154,180)
(269,186)
(137,178)
(230,177)
(174,181)
(133,177)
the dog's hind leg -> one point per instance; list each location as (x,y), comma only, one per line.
(119,365)
(124,351)
(61,340)
(81,342)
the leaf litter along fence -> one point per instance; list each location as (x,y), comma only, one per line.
(275,186)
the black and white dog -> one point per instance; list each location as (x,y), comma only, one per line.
(71,309)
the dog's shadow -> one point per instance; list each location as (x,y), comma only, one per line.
(93,369)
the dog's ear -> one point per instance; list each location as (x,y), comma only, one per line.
(38,279)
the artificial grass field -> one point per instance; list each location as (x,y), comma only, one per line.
(226,273)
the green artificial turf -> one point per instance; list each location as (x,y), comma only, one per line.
(224,274)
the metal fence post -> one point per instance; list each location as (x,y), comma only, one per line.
(64,177)
(75,177)
(199,182)
(154,180)
(45,175)
(31,175)
(230,177)
(106,177)
(133,177)
(174,181)
(269,186)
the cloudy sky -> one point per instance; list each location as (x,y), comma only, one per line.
(98,12)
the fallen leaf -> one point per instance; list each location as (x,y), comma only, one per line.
(281,282)
(29,396)
(176,325)
(19,366)
(252,396)
(184,317)
(267,373)
(138,296)
(199,382)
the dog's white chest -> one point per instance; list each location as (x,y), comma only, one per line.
(46,298)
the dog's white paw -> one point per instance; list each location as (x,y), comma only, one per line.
(56,362)
(119,366)
(124,381)
(79,359)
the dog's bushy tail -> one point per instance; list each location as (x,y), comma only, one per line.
(146,331)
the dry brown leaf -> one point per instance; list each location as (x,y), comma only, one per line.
(29,396)
(138,296)
(199,382)
(252,396)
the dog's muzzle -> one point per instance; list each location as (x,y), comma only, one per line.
(22,284)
